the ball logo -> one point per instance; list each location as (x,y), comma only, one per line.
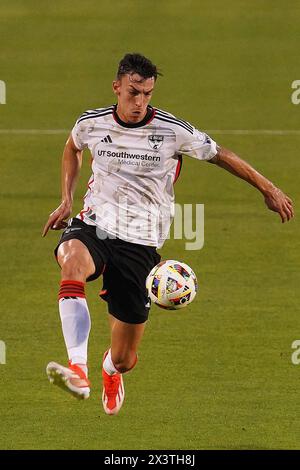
(155,141)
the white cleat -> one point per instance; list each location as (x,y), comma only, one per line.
(72,379)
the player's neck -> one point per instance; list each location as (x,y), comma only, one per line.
(122,116)
(121,119)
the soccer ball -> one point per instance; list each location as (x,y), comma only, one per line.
(171,284)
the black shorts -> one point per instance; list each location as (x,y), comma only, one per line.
(125,267)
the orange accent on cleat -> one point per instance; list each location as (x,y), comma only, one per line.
(113,391)
(77,369)
(71,379)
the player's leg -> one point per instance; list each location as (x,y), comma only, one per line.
(79,262)
(76,266)
(125,339)
(121,357)
(125,292)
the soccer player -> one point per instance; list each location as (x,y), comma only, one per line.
(136,153)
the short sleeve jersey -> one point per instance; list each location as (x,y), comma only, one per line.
(130,193)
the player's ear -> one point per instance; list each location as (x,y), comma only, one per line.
(116,87)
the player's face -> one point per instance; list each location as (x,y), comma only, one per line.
(134,93)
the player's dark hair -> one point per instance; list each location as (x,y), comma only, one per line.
(137,63)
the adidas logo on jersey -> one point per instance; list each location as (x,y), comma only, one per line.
(107,139)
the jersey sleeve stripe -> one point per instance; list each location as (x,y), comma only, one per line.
(92,116)
(95,111)
(170,116)
(172,121)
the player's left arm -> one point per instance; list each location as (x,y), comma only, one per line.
(275,199)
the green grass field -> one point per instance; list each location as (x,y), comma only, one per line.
(217,375)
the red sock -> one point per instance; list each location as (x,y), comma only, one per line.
(71,289)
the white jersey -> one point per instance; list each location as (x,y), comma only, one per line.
(134,167)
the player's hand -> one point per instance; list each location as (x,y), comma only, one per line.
(57,219)
(279,202)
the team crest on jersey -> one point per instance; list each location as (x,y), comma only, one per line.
(155,141)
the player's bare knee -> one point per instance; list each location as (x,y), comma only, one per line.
(73,267)
(72,270)
(75,261)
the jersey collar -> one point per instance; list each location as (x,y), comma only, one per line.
(148,118)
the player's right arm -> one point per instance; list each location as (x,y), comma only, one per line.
(275,199)
(71,164)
